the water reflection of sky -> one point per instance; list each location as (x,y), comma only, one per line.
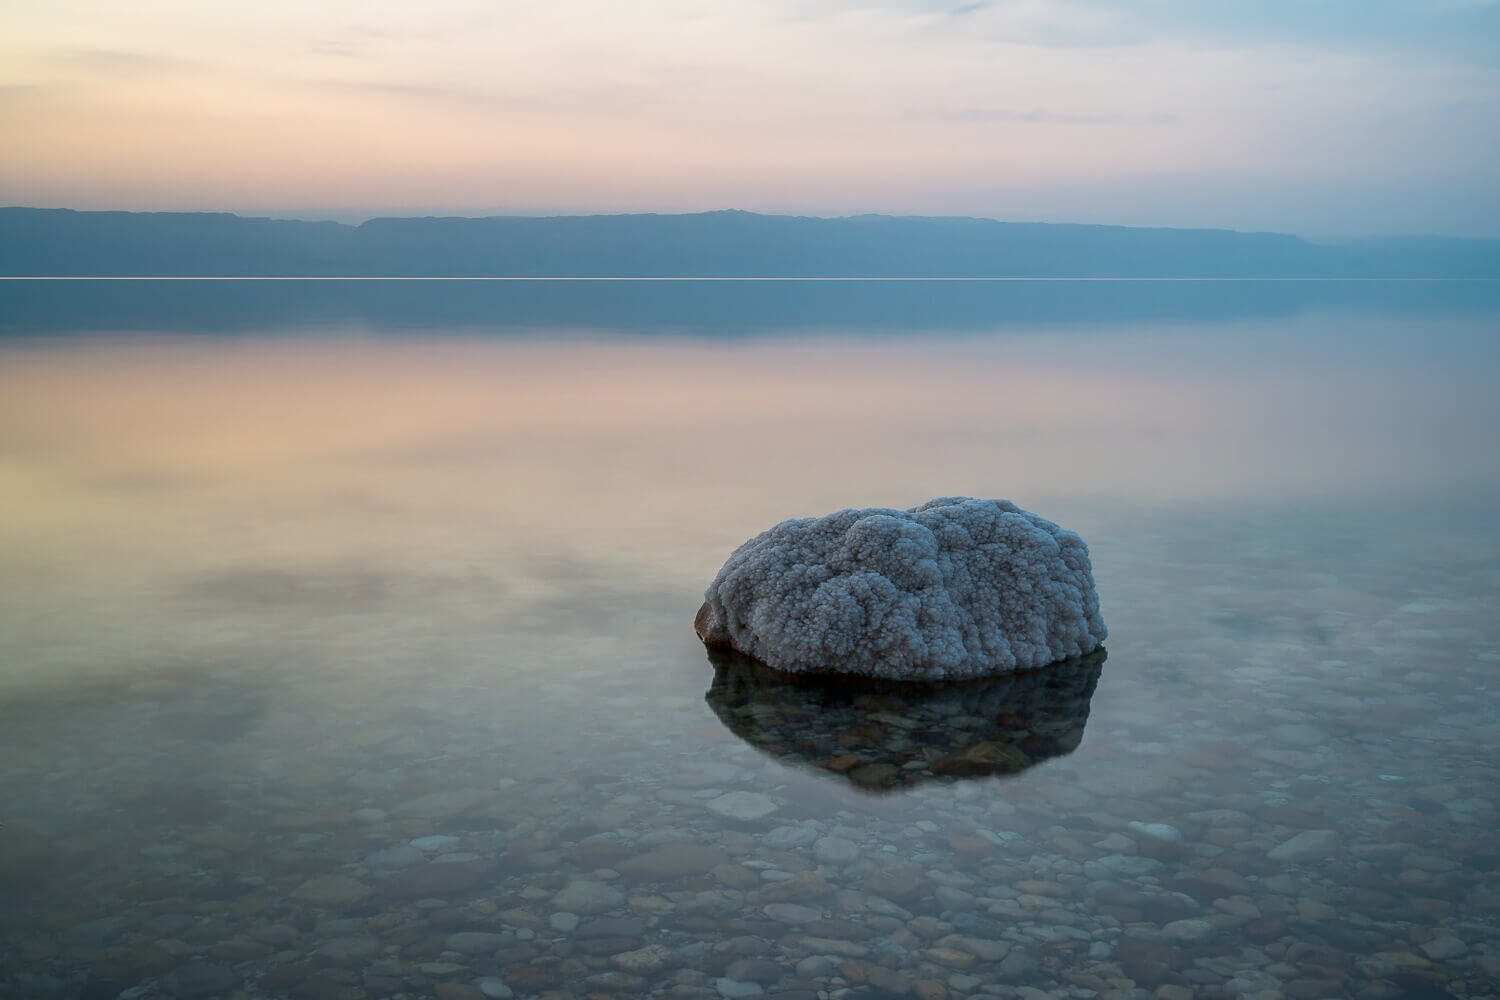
(261,580)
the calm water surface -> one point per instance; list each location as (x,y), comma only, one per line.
(346,648)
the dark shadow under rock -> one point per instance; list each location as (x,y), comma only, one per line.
(886,736)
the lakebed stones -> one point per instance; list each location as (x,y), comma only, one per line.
(872,901)
(742,807)
(437,878)
(1138,868)
(1306,846)
(200,980)
(331,890)
(671,861)
(835,851)
(955,588)
(645,961)
(587,896)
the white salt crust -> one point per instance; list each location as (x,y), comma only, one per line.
(954,588)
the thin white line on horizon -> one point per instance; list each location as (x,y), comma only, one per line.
(742,278)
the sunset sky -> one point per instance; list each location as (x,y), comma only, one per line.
(1328,118)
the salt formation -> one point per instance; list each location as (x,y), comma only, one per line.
(954,588)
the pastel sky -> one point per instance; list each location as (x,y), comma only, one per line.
(1328,118)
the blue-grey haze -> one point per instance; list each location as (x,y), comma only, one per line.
(57,242)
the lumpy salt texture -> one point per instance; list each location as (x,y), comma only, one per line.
(954,588)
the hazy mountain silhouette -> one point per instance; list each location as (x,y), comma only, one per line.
(731,244)
(715,309)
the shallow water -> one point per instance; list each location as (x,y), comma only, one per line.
(347,650)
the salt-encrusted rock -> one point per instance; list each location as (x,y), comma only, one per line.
(954,588)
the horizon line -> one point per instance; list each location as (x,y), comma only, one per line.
(688,278)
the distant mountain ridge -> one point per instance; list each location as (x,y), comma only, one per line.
(67,243)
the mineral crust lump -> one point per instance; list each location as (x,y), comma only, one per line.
(954,588)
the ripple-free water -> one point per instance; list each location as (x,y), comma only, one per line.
(346,647)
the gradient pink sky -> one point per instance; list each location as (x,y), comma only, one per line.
(1337,118)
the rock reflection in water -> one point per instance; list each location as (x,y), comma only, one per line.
(886,736)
